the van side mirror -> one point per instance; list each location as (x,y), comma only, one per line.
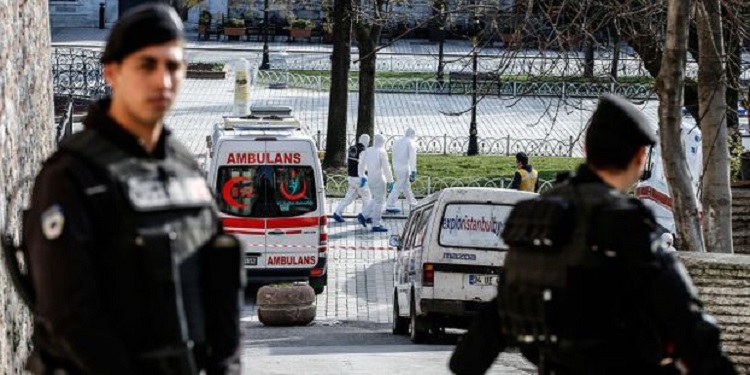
(395,241)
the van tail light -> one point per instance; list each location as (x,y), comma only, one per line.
(428,274)
(323,236)
(316,271)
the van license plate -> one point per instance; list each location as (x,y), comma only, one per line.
(251,260)
(483,280)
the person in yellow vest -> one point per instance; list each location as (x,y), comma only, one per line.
(526,177)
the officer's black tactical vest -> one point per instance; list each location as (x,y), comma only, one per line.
(151,270)
(352,161)
(570,287)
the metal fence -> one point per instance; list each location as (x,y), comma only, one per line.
(77,72)
(65,121)
(336,185)
(537,64)
(500,88)
(506,146)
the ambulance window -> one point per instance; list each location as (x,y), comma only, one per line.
(266,191)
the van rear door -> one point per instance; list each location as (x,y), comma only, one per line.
(471,251)
(293,225)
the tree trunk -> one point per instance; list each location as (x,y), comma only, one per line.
(670,83)
(338,98)
(367,36)
(646,44)
(615,52)
(716,195)
(588,55)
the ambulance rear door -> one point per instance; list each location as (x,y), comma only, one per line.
(236,186)
(296,219)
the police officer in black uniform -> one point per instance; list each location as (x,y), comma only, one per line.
(129,266)
(587,286)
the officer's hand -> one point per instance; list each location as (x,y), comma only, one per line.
(362,182)
(412,176)
(390,186)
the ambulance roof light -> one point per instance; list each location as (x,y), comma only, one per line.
(268,111)
(264,123)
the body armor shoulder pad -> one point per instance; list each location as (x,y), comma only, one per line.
(180,152)
(544,222)
(623,226)
(90,145)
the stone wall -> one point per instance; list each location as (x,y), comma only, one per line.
(26,137)
(741,217)
(723,281)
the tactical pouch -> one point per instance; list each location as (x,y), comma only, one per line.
(544,223)
(224,281)
(171,351)
(536,231)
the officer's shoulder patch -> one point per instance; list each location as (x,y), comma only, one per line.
(53,222)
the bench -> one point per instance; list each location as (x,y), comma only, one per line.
(215,27)
(486,82)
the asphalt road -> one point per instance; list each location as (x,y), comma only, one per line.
(353,347)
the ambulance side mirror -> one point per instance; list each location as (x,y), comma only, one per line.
(649,165)
(646,174)
(208,146)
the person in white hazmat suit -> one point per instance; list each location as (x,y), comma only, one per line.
(405,168)
(375,170)
(354,155)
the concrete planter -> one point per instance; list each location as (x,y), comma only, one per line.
(206,74)
(286,305)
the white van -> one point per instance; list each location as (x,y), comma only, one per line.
(449,258)
(268,181)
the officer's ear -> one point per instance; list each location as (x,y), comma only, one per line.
(641,157)
(110,73)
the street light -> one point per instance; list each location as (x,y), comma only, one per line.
(264,65)
(473,144)
(441,28)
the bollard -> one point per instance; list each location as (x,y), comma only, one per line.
(101,15)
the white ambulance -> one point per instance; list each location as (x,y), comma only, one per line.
(268,181)
(449,258)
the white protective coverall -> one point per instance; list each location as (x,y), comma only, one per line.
(375,167)
(405,168)
(355,188)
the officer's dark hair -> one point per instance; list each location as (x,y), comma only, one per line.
(616,131)
(142,26)
(521,157)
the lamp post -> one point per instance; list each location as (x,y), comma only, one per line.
(473,144)
(440,48)
(264,65)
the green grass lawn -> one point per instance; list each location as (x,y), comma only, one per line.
(460,170)
(489,166)
(484,166)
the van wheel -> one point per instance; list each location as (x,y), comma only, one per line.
(400,324)
(418,330)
